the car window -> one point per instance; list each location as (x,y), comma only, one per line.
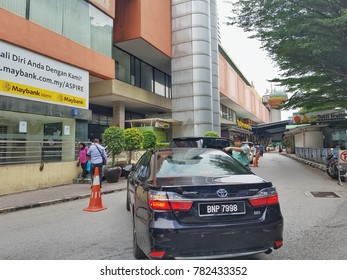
(142,166)
(199,162)
(185,143)
(216,143)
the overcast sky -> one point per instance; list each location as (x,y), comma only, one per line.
(246,53)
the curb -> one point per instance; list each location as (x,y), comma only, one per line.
(307,162)
(54,201)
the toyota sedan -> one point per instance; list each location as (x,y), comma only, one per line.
(198,203)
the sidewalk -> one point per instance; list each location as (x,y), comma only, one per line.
(37,198)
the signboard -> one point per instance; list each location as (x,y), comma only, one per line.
(342,157)
(27,75)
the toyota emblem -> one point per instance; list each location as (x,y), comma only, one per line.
(222,193)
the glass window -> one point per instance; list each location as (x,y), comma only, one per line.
(74,19)
(159,82)
(168,87)
(101,31)
(146,77)
(135,72)
(23,136)
(197,162)
(76,24)
(47,13)
(122,65)
(18,7)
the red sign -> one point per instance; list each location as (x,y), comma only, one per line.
(343,156)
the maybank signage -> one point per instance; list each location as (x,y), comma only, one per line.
(27,75)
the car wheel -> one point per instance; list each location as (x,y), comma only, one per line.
(127,203)
(137,252)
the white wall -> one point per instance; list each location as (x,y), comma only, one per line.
(309,139)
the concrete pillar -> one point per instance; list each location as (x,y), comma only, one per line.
(118,114)
(192,70)
(215,68)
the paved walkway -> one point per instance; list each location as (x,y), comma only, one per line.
(36,198)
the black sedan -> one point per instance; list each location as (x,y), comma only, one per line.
(196,203)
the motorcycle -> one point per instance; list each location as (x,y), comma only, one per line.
(333,166)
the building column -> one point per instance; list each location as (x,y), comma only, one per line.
(215,67)
(118,114)
(193,89)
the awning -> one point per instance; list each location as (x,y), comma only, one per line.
(305,128)
(153,121)
(238,129)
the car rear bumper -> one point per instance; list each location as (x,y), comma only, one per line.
(216,242)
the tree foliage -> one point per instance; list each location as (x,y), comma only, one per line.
(308,41)
(133,140)
(211,134)
(149,139)
(114,140)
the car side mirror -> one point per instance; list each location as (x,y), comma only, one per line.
(129,167)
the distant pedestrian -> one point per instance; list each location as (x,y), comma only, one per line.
(82,158)
(240,151)
(96,153)
(261,149)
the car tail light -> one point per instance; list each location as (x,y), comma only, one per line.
(167,201)
(278,244)
(266,197)
(157,254)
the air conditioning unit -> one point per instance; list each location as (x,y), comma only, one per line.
(161,125)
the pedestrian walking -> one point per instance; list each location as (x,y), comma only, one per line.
(82,158)
(98,158)
(240,151)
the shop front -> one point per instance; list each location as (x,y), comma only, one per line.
(43,112)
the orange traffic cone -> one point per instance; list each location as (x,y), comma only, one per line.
(95,203)
(256,160)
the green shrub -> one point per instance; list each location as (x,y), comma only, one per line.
(211,134)
(133,141)
(149,139)
(162,145)
(114,140)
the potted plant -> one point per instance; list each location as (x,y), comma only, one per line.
(133,141)
(288,142)
(114,140)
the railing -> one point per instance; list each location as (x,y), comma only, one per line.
(315,154)
(22,151)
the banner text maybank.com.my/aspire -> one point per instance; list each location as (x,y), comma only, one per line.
(27,75)
(30,92)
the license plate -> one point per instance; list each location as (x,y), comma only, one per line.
(222,208)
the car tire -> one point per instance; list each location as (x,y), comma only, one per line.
(137,252)
(127,203)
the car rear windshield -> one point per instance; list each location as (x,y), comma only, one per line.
(197,162)
(206,142)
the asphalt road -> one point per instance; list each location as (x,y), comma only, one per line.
(315,227)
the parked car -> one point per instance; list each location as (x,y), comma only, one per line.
(200,203)
(201,142)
